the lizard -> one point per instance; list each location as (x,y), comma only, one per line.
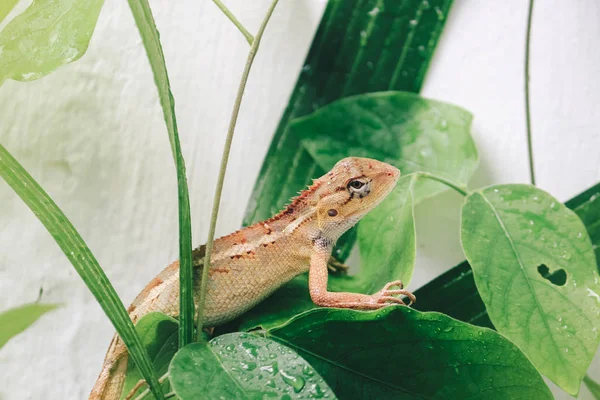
(250,264)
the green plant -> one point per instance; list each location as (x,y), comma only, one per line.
(16,320)
(533,263)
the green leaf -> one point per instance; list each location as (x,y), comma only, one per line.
(399,353)
(400,128)
(5,7)
(16,320)
(387,239)
(350,54)
(592,386)
(514,234)
(47,35)
(150,37)
(78,253)
(458,283)
(159,336)
(406,130)
(244,366)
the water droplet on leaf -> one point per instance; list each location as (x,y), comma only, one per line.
(296,382)
(374,12)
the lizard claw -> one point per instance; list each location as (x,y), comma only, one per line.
(387,295)
(393,283)
(337,267)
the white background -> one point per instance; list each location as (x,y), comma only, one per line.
(93,135)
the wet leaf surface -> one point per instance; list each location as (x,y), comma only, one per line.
(400,353)
(244,366)
(511,233)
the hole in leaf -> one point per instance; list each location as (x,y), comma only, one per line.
(558,277)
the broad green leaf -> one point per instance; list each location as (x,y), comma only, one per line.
(16,320)
(244,366)
(406,130)
(400,128)
(458,283)
(350,54)
(592,386)
(47,35)
(512,235)
(387,239)
(400,353)
(80,256)
(159,336)
(150,37)
(5,7)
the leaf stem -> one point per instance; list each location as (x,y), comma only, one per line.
(527,102)
(161,380)
(224,159)
(235,21)
(460,189)
(592,386)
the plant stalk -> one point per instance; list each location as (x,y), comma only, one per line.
(527,102)
(223,169)
(460,189)
(235,21)
(145,393)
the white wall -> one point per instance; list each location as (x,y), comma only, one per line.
(92,134)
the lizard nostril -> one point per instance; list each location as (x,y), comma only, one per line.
(392,171)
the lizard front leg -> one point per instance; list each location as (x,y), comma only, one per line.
(317,285)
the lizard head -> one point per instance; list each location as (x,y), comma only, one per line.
(350,190)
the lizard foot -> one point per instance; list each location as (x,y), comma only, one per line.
(387,295)
(336,266)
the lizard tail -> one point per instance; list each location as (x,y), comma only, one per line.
(109,384)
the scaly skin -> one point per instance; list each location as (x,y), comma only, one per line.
(250,264)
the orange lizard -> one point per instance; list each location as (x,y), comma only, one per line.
(250,264)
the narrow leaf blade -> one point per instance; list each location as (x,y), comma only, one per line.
(150,37)
(16,320)
(80,256)
(512,236)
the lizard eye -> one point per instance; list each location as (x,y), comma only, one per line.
(359,187)
(356,184)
